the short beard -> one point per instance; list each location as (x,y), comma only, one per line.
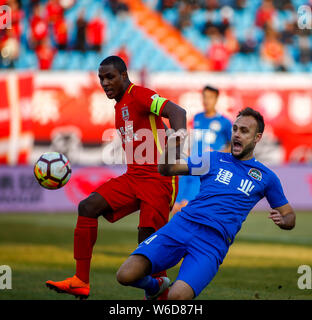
(248,149)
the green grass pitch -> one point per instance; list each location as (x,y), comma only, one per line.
(261,264)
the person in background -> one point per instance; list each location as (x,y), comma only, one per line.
(54,11)
(17,15)
(265,13)
(273,51)
(218,53)
(217,138)
(124,55)
(45,54)
(38,27)
(9,49)
(81,25)
(96,33)
(60,31)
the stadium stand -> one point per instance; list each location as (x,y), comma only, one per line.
(158,35)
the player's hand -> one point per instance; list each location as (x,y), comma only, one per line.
(277,218)
(176,138)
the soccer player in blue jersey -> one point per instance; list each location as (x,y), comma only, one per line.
(231,185)
(212,132)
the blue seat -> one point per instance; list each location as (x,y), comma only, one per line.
(171,15)
(60,61)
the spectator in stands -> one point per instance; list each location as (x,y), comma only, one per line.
(240,5)
(38,26)
(273,51)
(212,5)
(185,11)
(305,52)
(45,54)
(287,35)
(282,4)
(60,33)
(227,14)
(230,41)
(124,55)
(95,33)
(81,25)
(9,48)
(218,53)
(54,11)
(17,15)
(250,44)
(118,7)
(167,4)
(265,13)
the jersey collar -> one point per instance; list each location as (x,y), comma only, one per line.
(250,161)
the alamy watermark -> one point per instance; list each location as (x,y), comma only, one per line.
(5,17)
(5,277)
(304,17)
(304,281)
(146,146)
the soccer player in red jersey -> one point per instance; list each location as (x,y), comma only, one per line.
(138,113)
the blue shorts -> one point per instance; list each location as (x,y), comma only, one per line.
(203,249)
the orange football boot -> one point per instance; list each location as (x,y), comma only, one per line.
(72,286)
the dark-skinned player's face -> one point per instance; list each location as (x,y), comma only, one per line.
(112,81)
(245,136)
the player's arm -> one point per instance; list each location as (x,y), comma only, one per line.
(150,101)
(175,114)
(283,216)
(170,163)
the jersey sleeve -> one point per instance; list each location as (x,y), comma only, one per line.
(148,100)
(199,165)
(274,192)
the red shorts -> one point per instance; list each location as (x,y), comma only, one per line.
(153,196)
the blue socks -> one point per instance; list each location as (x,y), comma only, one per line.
(148,283)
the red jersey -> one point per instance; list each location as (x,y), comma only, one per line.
(138,120)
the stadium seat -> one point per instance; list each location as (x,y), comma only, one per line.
(145,49)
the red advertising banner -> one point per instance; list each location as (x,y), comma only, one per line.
(69,112)
(16,136)
(74,105)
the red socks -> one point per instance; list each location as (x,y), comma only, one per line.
(84,239)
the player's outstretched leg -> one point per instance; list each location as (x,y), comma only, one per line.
(135,271)
(84,239)
(144,233)
(181,291)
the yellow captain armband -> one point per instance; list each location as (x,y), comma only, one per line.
(157,104)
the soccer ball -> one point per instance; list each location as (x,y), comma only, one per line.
(52,170)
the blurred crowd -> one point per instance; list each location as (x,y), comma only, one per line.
(48,30)
(272,34)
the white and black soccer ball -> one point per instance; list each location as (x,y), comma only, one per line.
(52,170)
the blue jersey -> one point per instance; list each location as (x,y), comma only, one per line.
(229,190)
(216,135)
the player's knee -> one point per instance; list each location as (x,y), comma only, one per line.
(180,294)
(86,208)
(124,276)
(175,295)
